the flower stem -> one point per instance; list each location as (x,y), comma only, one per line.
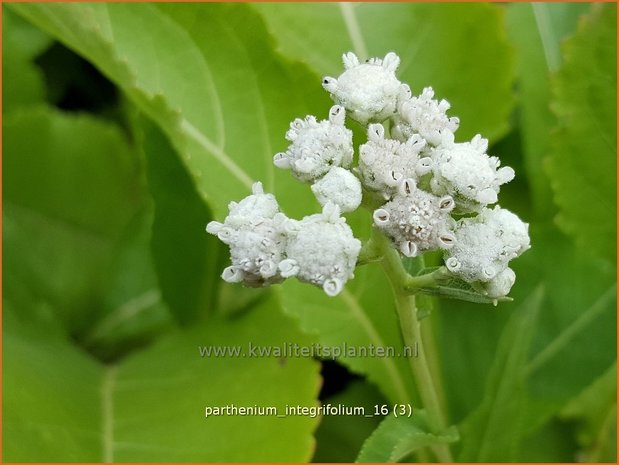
(411,334)
(412,284)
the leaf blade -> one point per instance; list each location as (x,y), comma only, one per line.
(583,160)
(483,440)
(318,34)
(536,30)
(397,437)
(168,86)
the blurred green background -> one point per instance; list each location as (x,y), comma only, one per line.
(127,127)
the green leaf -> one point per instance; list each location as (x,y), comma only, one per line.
(23,81)
(171,380)
(51,405)
(596,411)
(451,287)
(458,49)
(582,166)
(537,30)
(206,73)
(131,312)
(70,189)
(491,432)
(579,312)
(93,271)
(398,437)
(362,315)
(60,405)
(187,259)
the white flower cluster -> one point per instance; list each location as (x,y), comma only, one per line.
(424,116)
(322,251)
(432,193)
(467,173)
(317,146)
(319,153)
(369,91)
(266,247)
(383,163)
(416,220)
(426,178)
(483,247)
(255,230)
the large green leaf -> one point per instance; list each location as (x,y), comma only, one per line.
(491,432)
(582,166)
(460,50)
(151,391)
(23,82)
(537,30)
(70,188)
(398,437)
(206,73)
(60,405)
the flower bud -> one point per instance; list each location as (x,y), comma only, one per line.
(369,91)
(255,231)
(317,146)
(468,174)
(485,244)
(323,251)
(384,163)
(340,187)
(426,117)
(416,221)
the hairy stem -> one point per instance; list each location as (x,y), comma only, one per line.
(411,334)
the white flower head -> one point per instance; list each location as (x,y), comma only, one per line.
(467,173)
(255,230)
(369,91)
(486,243)
(340,187)
(384,163)
(317,146)
(257,205)
(500,285)
(322,251)
(416,220)
(427,117)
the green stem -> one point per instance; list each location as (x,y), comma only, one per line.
(429,341)
(411,334)
(414,266)
(412,284)
(370,252)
